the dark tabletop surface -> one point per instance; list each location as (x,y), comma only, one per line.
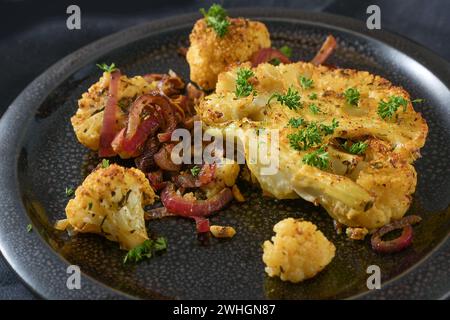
(33,36)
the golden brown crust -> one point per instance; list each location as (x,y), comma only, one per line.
(210,54)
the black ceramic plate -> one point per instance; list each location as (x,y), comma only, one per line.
(40,157)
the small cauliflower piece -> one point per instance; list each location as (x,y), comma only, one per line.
(110,202)
(88,120)
(209,54)
(297,252)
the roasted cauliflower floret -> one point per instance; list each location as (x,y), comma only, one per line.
(88,120)
(298,251)
(110,202)
(209,54)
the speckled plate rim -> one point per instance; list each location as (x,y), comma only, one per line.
(47,275)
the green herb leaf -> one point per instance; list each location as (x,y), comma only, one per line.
(386,109)
(291,99)
(313,96)
(305,138)
(306,82)
(90,206)
(107,68)
(105,163)
(287,51)
(314,108)
(356,148)
(329,129)
(418,100)
(296,122)
(145,250)
(275,61)
(352,96)
(195,170)
(69,192)
(243,87)
(318,158)
(216,18)
(29,228)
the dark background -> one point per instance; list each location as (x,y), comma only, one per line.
(33,36)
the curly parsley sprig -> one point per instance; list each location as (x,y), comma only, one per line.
(111,68)
(243,87)
(357,148)
(387,109)
(145,250)
(352,96)
(311,135)
(216,18)
(291,99)
(318,158)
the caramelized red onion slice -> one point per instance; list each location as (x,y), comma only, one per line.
(156,180)
(398,244)
(176,203)
(110,117)
(325,51)
(202,224)
(266,55)
(163,160)
(157,213)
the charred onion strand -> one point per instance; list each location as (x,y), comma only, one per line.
(266,55)
(325,51)
(163,160)
(110,118)
(398,244)
(157,213)
(176,203)
(202,224)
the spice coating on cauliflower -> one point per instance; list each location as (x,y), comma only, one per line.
(88,120)
(209,54)
(297,252)
(110,202)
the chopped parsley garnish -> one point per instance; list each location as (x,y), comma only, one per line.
(356,148)
(418,100)
(318,158)
(305,138)
(275,61)
(291,99)
(105,163)
(295,122)
(329,129)
(306,83)
(69,192)
(314,108)
(216,18)
(313,96)
(106,68)
(90,206)
(311,135)
(352,96)
(243,87)
(287,51)
(145,250)
(195,170)
(386,109)
(29,228)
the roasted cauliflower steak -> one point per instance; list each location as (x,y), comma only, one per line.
(110,202)
(358,190)
(209,54)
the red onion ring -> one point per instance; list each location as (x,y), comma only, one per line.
(398,244)
(325,51)
(202,224)
(179,205)
(109,125)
